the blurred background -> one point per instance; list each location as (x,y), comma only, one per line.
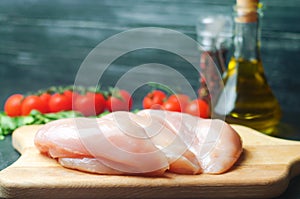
(43,43)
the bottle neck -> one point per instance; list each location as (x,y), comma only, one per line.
(247,30)
(247,41)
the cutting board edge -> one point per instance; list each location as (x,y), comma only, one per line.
(145,192)
(8,188)
(17,135)
(276,140)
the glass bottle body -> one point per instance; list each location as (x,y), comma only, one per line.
(251,102)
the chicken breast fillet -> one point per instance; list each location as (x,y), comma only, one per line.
(150,142)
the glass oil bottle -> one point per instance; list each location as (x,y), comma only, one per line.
(246,98)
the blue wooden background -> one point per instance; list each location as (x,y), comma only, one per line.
(43,43)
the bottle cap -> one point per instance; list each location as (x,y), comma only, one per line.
(246,11)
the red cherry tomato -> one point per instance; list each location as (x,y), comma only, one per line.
(180,100)
(45,97)
(99,103)
(68,93)
(71,94)
(90,104)
(119,101)
(33,102)
(154,99)
(84,105)
(59,102)
(12,106)
(198,107)
(171,106)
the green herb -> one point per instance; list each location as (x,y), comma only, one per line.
(9,124)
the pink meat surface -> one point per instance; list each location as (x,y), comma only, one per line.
(150,142)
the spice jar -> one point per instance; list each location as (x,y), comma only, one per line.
(214,35)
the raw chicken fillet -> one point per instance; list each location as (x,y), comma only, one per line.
(150,142)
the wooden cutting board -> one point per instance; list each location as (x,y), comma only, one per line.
(264,170)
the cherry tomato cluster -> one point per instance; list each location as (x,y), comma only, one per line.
(87,103)
(158,99)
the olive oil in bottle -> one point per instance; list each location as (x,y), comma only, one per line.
(246,98)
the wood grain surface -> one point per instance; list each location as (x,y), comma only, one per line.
(264,170)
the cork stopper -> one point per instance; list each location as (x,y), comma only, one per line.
(246,11)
